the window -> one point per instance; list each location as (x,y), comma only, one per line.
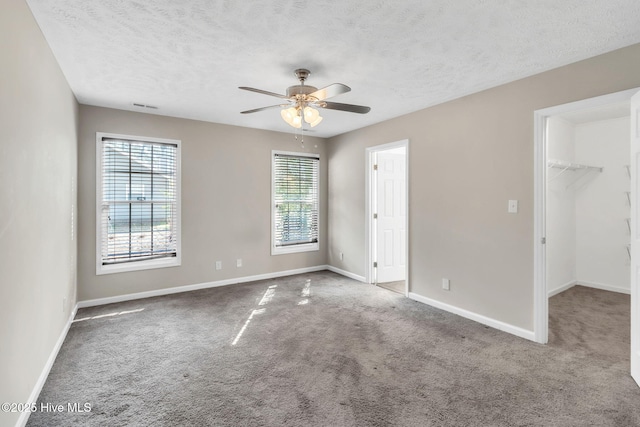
(295,197)
(138,203)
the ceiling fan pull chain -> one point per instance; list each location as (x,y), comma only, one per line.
(295,134)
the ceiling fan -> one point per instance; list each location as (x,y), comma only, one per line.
(302,101)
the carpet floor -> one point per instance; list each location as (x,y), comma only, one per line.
(322,350)
(591,322)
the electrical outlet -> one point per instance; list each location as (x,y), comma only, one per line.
(239,262)
(446,284)
(218,265)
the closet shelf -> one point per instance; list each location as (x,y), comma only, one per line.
(573,167)
(560,164)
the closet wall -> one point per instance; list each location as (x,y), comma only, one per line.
(587,210)
(561,208)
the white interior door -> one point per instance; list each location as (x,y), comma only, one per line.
(391,216)
(635,238)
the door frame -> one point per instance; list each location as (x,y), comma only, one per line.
(541,299)
(370,245)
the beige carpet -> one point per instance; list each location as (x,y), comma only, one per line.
(591,323)
(323,350)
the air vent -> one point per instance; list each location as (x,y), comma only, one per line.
(144,106)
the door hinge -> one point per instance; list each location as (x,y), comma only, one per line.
(543,240)
(375,167)
(375,216)
(375,265)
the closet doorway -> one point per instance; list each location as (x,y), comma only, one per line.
(585,287)
(387,216)
(588,206)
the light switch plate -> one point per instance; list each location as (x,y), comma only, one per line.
(513,206)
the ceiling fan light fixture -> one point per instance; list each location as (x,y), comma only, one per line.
(296,122)
(314,123)
(288,115)
(311,115)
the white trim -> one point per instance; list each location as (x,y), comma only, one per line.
(305,247)
(634,285)
(562,288)
(144,264)
(294,249)
(505,327)
(541,299)
(369,224)
(347,274)
(124,267)
(206,285)
(587,284)
(603,287)
(389,146)
(37,388)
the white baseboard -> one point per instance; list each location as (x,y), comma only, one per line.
(33,398)
(346,274)
(562,288)
(505,327)
(187,288)
(603,286)
(587,284)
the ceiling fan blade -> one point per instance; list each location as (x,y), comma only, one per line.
(255,110)
(329,91)
(344,107)
(264,92)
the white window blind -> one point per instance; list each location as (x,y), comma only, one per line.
(138,218)
(296,200)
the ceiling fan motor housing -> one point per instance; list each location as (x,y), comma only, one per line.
(299,92)
(292,91)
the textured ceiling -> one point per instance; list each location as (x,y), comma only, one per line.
(188,57)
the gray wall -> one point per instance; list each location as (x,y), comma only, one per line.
(226,199)
(38,118)
(467,158)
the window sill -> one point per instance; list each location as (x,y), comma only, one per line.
(282,250)
(137,265)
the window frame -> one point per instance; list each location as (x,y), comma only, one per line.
(144,264)
(301,247)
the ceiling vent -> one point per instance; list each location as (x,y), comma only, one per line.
(144,106)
